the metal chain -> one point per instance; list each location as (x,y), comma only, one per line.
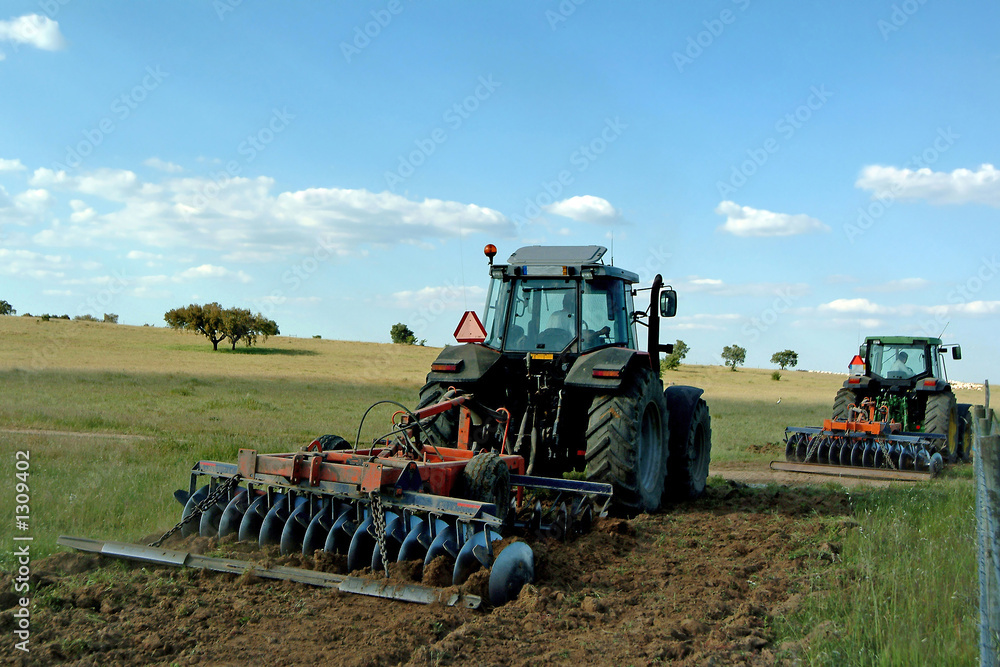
(201,507)
(378,520)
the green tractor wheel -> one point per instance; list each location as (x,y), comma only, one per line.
(844,400)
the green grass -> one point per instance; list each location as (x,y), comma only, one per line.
(906,591)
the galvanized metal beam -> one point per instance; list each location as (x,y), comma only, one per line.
(851,471)
(344,583)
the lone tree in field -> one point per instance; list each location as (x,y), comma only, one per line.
(785,359)
(673,360)
(734,355)
(206,320)
(7,309)
(218,324)
(401,334)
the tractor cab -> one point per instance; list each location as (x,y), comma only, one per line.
(903,360)
(548,300)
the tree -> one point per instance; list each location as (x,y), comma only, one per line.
(206,320)
(111,318)
(240,324)
(734,355)
(785,358)
(7,309)
(401,334)
(673,360)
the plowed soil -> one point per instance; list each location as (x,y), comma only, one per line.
(698,584)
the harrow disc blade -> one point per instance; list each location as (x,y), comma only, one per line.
(475,553)
(190,528)
(868,454)
(846,448)
(514,567)
(445,543)
(233,514)
(342,533)
(208,526)
(857,453)
(319,527)
(907,460)
(418,540)
(252,520)
(359,554)
(295,528)
(274,521)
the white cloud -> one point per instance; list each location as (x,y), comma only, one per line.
(11,165)
(748,221)
(852,306)
(961,186)
(33,30)
(33,265)
(24,208)
(81,212)
(212,271)
(703,321)
(443,296)
(163,165)
(585,208)
(901,285)
(243,216)
(718,287)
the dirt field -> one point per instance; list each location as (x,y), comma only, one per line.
(699,584)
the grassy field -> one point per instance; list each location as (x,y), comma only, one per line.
(152,401)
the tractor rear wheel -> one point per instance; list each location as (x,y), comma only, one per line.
(486,478)
(941,416)
(441,428)
(689,457)
(627,438)
(844,400)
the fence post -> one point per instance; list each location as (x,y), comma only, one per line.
(987,471)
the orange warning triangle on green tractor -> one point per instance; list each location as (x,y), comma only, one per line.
(470,329)
(857,365)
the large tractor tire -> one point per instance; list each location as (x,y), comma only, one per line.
(941,416)
(690,454)
(845,399)
(627,438)
(442,429)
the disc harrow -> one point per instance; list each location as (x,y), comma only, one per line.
(866,440)
(394,501)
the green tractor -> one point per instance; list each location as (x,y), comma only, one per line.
(907,375)
(557,353)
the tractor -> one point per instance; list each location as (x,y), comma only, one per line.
(896,411)
(550,389)
(557,349)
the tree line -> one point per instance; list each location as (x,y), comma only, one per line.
(218,324)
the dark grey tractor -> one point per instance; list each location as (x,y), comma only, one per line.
(559,354)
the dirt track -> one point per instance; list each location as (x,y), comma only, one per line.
(699,584)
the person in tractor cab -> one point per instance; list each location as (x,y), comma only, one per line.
(899,366)
(564,319)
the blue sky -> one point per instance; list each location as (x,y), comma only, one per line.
(804,174)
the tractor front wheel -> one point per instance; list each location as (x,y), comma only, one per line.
(627,438)
(689,456)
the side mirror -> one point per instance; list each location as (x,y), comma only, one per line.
(668,303)
(956,352)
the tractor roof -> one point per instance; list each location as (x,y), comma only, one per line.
(903,340)
(539,261)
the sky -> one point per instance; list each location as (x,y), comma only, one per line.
(804,174)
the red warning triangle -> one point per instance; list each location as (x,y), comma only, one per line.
(857,365)
(470,329)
